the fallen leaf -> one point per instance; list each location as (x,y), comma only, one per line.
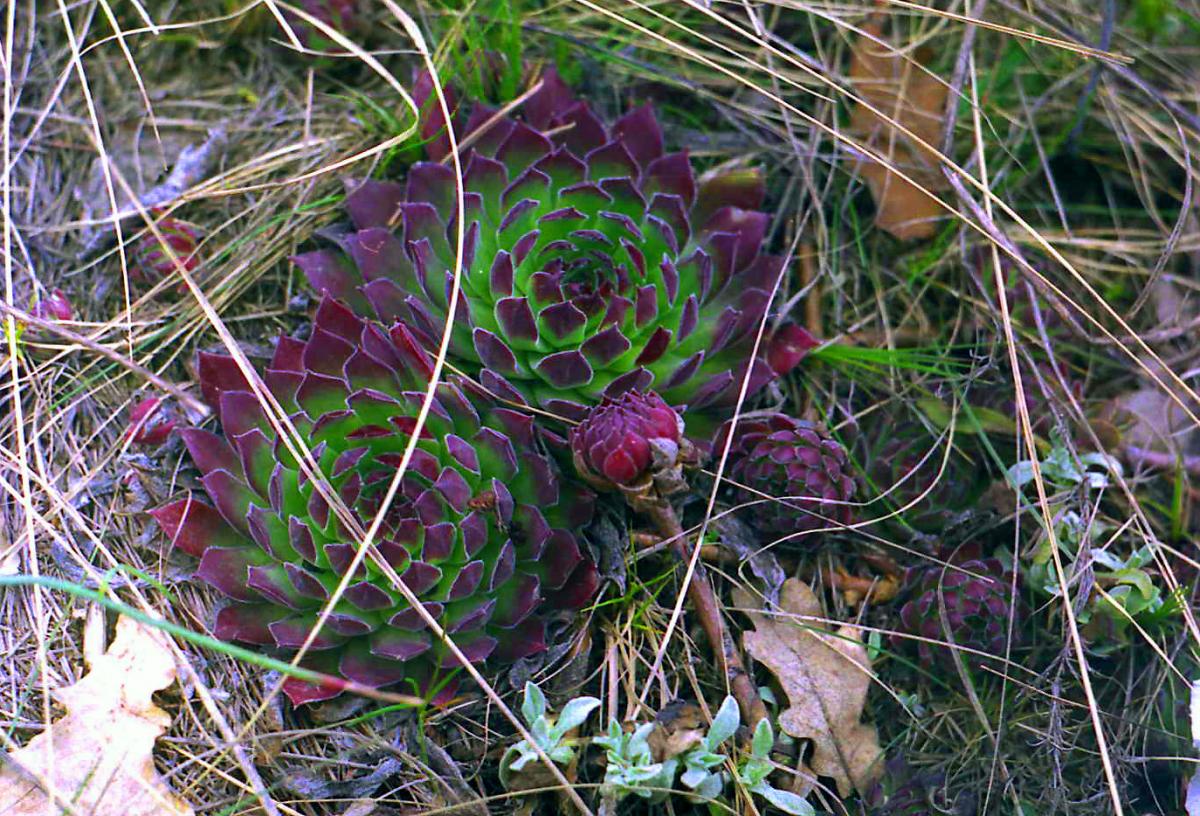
(905,96)
(825,676)
(98,757)
(679,727)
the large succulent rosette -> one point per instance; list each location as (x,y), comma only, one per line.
(481,530)
(593,262)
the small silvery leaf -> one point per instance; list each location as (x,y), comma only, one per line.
(1020,474)
(785,800)
(535,703)
(1102,460)
(693,777)
(724,724)
(541,732)
(523,759)
(764,739)
(1107,560)
(573,715)
(711,787)
(562,754)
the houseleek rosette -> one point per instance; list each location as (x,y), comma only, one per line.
(594,262)
(483,530)
(801,476)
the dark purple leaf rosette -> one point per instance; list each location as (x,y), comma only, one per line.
(624,436)
(483,529)
(595,262)
(343,16)
(794,462)
(974,592)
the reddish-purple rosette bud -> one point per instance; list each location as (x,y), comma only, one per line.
(151,422)
(483,531)
(152,262)
(340,15)
(624,438)
(594,260)
(800,476)
(965,602)
(55,306)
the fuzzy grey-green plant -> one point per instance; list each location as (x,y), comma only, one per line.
(700,763)
(631,769)
(754,770)
(550,733)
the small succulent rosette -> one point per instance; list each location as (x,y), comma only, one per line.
(343,16)
(593,261)
(799,477)
(53,306)
(151,422)
(965,601)
(483,530)
(152,261)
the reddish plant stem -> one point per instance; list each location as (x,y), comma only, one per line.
(708,609)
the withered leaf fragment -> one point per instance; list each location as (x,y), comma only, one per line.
(908,97)
(825,675)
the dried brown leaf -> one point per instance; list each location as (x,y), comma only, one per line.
(825,676)
(905,96)
(98,758)
(679,728)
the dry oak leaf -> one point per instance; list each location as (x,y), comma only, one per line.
(907,96)
(825,676)
(97,759)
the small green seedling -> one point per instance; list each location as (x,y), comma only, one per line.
(754,770)
(631,769)
(549,733)
(1063,470)
(699,763)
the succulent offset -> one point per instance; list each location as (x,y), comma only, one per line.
(800,475)
(150,422)
(975,592)
(905,791)
(342,16)
(53,307)
(593,262)
(482,529)
(905,463)
(623,437)
(151,260)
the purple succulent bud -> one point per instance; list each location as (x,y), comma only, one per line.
(594,261)
(483,530)
(55,306)
(150,422)
(624,437)
(151,260)
(796,465)
(340,15)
